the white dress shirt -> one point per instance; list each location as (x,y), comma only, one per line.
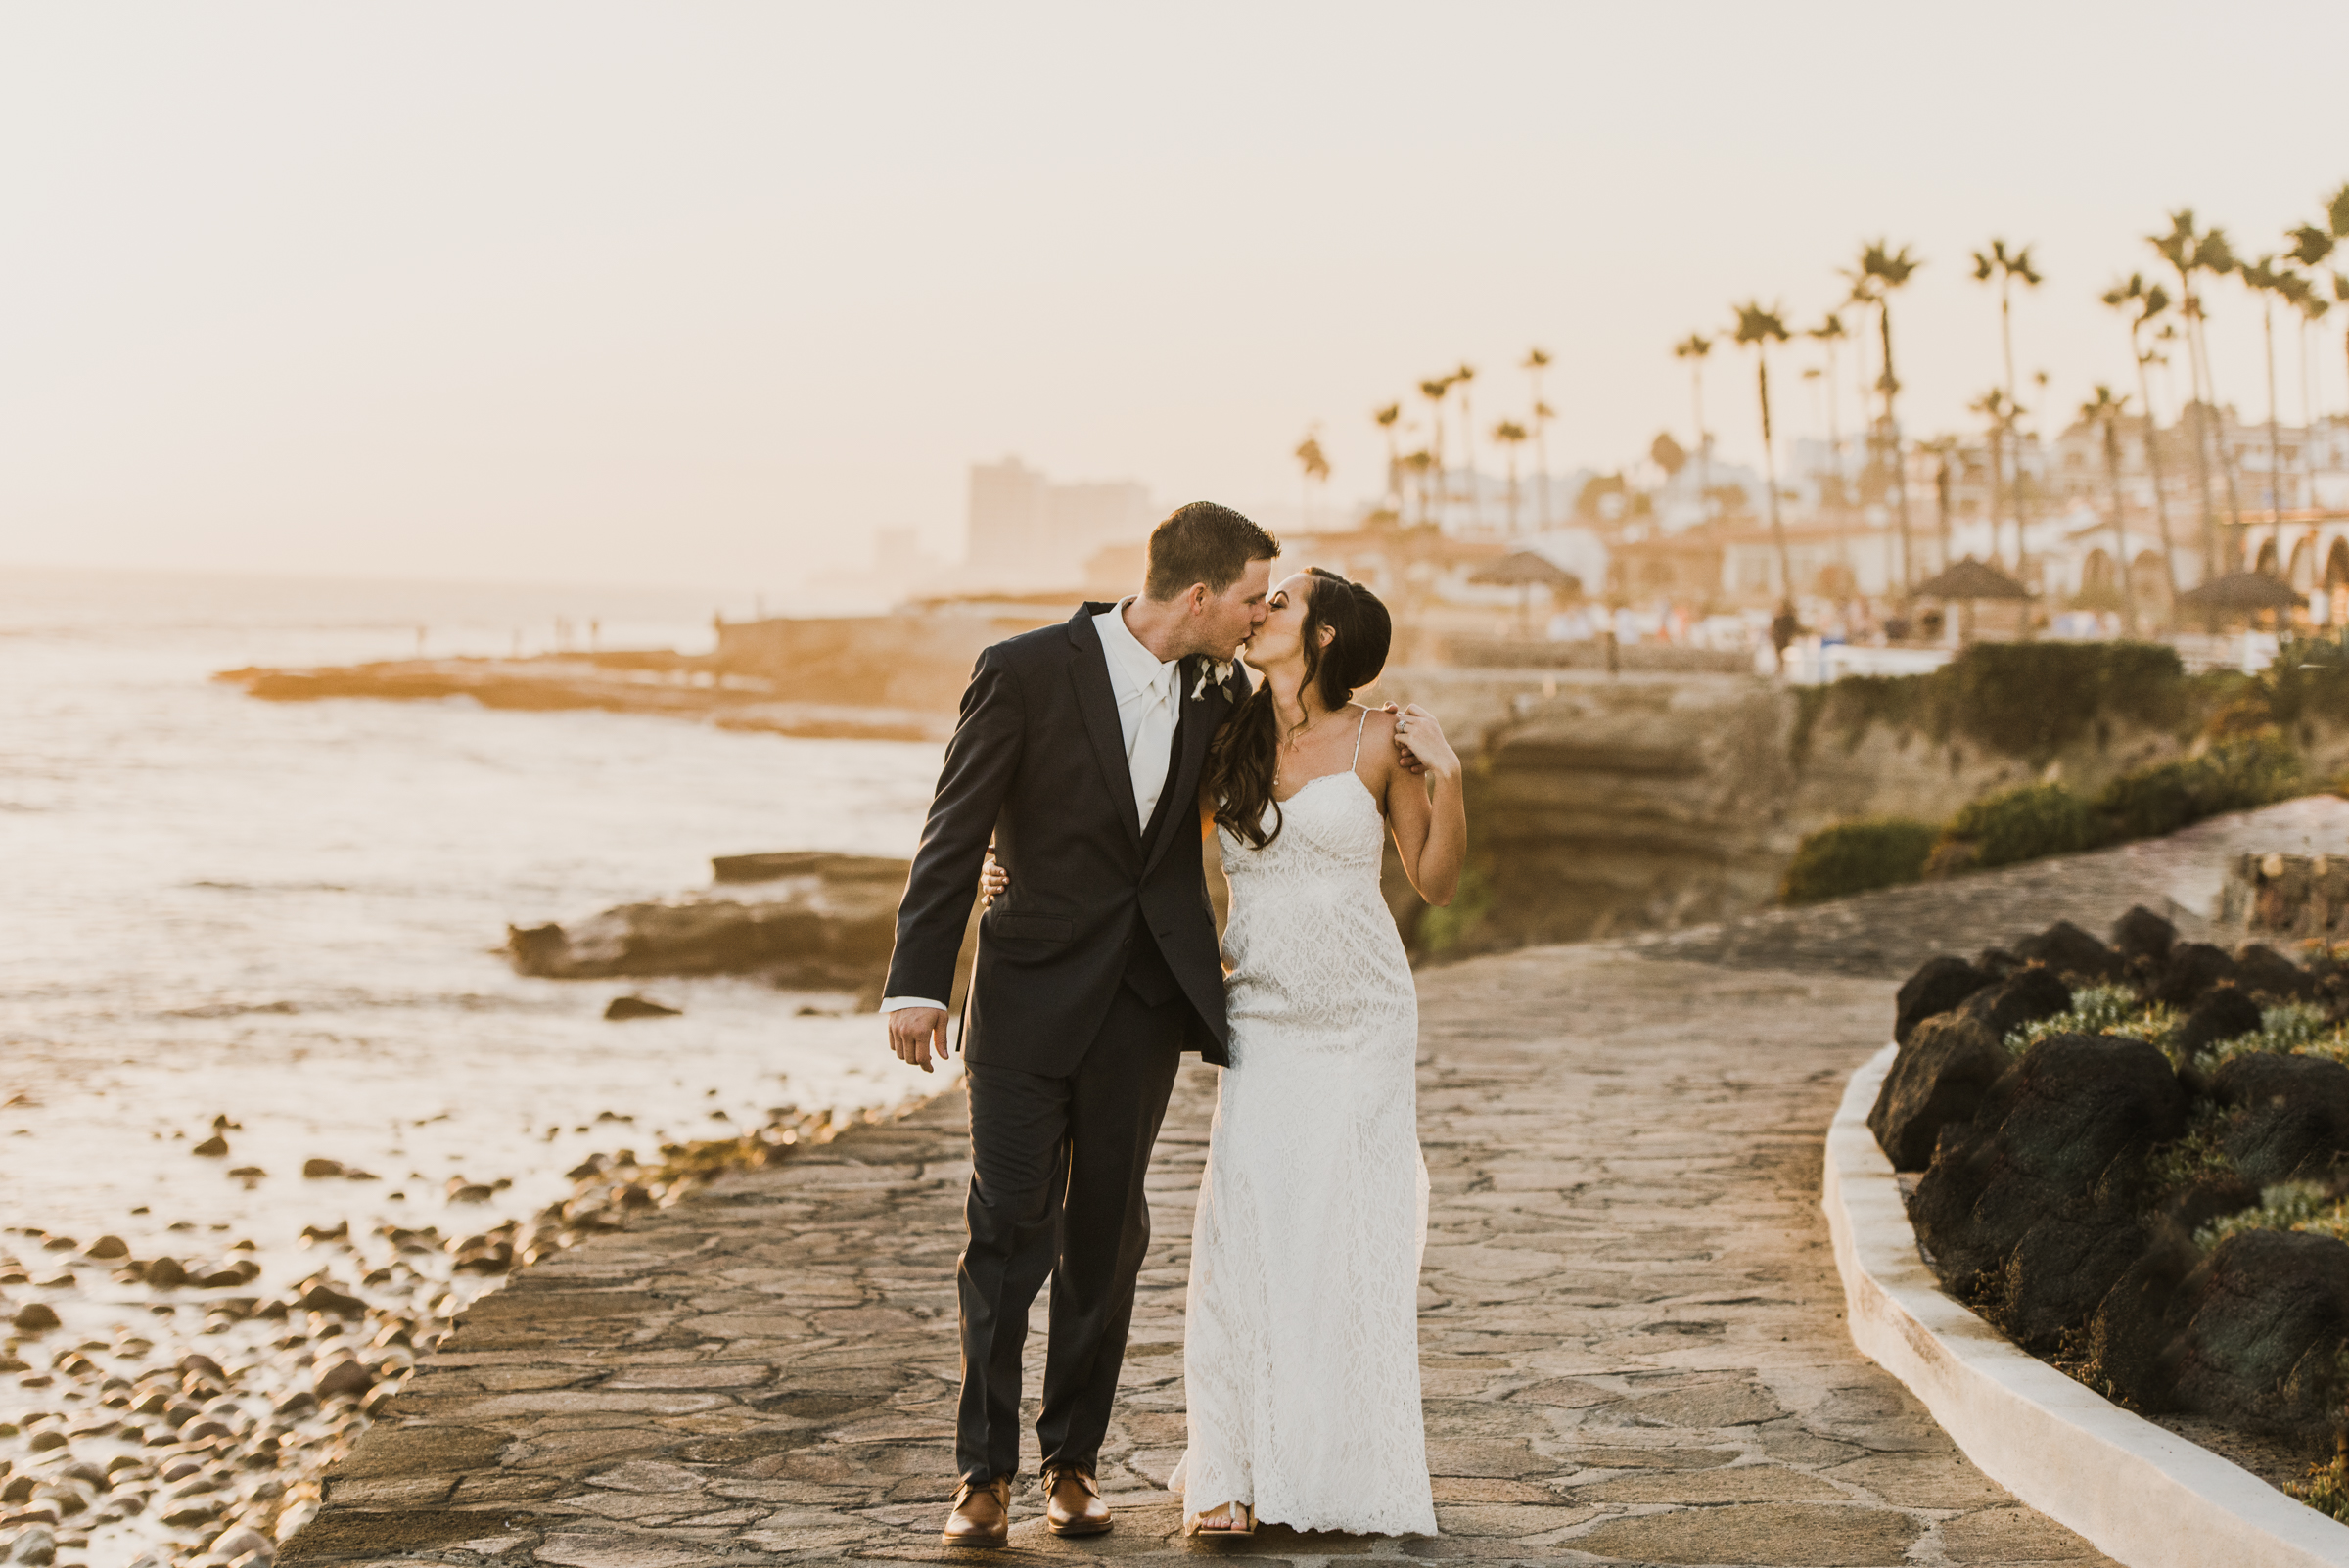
(1149,693)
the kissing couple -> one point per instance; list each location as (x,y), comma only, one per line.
(1094,756)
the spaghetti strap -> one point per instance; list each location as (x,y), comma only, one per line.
(1358,740)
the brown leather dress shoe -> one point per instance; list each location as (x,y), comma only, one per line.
(982,1514)
(1073,1505)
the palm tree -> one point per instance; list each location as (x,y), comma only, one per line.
(1463,376)
(1693,348)
(2141,302)
(1943,448)
(1416,464)
(2008,268)
(1881,270)
(2266,279)
(1386,418)
(2312,305)
(1758,329)
(1536,361)
(1828,333)
(1435,389)
(2105,411)
(1316,469)
(2190,248)
(1511,435)
(2000,413)
(2313,242)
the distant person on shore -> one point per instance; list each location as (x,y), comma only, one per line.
(1079,753)
(1300,1351)
(1783,630)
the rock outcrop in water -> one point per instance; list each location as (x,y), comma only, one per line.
(816,921)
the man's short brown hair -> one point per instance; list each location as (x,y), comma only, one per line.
(1202,542)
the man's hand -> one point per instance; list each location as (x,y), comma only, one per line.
(915,1031)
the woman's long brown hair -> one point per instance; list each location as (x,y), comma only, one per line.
(1246,752)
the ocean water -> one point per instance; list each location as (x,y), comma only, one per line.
(284,915)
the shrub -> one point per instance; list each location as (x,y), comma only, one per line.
(2024,699)
(2024,825)
(2097,1010)
(1857,857)
(2231,776)
(2030,699)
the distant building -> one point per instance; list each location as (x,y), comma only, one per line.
(1024,528)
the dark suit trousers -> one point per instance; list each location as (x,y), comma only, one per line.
(1056,1190)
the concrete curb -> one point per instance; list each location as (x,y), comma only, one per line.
(2136,1493)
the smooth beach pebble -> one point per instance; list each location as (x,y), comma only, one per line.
(35,1318)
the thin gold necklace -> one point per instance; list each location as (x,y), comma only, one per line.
(1287,749)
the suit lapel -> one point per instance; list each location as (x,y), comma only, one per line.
(1097,700)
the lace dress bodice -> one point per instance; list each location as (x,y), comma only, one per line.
(1301,1342)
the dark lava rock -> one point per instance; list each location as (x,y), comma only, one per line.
(2291,1119)
(2191,972)
(2067,950)
(35,1318)
(623,1008)
(2032,1209)
(1938,1079)
(2261,968)
(2143,934)
(2225,1014)
(2268,1312)
(2023,997)
(1941,985)
(1998,962)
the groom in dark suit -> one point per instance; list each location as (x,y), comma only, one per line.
(1079,754)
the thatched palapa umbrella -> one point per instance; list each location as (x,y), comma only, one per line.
(2240,593)
(1966,582)
(1523,571)
(2242,590)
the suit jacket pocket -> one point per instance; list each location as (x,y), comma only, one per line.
(1033,932)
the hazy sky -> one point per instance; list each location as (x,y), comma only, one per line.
(702,293)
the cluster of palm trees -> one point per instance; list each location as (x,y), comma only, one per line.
(1880,271)
(1431,476)
(2198,256)
(2304,278)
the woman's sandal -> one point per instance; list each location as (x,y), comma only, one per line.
(1241,1517)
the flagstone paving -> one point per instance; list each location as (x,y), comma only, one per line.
(1632,1325)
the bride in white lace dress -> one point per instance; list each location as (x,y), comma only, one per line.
(1301,1355)
(1301,1348)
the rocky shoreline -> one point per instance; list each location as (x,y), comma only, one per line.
(670,685)
(212,1457)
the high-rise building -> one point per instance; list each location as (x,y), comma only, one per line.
(1027,530)
(1007,514)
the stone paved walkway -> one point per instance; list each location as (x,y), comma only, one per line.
(1632,1339)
